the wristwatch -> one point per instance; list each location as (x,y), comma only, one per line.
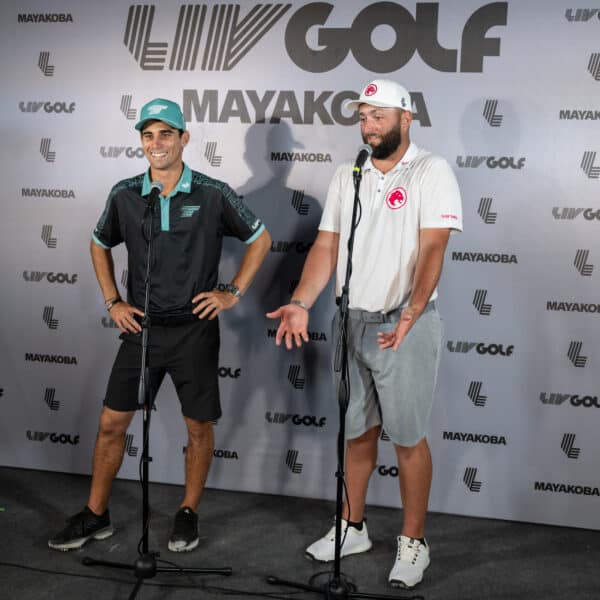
(232,289)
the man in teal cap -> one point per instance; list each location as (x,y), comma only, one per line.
(189,218)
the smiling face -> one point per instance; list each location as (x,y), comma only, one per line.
(163,146)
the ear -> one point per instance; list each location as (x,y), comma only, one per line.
(185,138)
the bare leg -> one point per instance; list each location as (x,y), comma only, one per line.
(108,456)
(198,457)
(414,473)
(361,457)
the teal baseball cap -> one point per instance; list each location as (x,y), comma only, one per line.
(160,109)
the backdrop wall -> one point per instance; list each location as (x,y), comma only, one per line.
(507,92)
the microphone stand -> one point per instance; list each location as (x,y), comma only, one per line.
(337,587)
(144,566)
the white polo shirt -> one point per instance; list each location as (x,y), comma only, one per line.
(420,192)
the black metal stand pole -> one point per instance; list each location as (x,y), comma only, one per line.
(144,566)
(337,588)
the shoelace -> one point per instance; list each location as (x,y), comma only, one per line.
(412,547)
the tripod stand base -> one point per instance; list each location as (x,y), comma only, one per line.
(336,588)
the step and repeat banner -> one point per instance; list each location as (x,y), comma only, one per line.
(507,92)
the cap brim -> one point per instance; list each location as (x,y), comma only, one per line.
(353,105)
(140,124)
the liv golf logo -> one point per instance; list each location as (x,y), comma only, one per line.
(587,165)
(568,446)
(490,115)
(470,481)
(581,263)
(575,356)
(480,304)
(475,394)
(294,377)
(216,37)
(291,460)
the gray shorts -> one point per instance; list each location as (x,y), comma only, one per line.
(393,389)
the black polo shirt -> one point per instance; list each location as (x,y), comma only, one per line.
(188,230)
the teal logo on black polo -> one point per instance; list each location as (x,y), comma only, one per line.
(188,211)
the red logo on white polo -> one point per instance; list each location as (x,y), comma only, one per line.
(396,198)
(371,89)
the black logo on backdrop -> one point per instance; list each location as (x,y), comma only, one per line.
(581,263)
(485,211)
(570,213)
(587,164)
(286,104)
(211,155)
(306,420)
(577,400)
(568,446)
(470,481)
(474,438)
(294,377)
(386,471)
(475,394)
(50,399)
(49,276)
(298,203)
(581,307)
(480,347)
(117,151)
(485,257)
(46,193)
(503,162)
(55,438)
(229,372)
(566,114)
(48,316)
(60,359)
(47,236)
(227,37)
(418,33)
(490,114)
(44,18)
(130,113)
(49,155)
(594,65)
(566,488)
(312,157)
(284,246)
(384,437)
(581,14)
(34,106)
(574,354)
(480,304)
(108,323)
(129,447)
(291,460)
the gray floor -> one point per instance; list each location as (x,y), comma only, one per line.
(260,535)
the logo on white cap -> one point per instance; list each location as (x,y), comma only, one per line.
(371,89)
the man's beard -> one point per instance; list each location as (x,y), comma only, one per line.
(388,145)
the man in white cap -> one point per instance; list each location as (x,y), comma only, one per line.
(410,203)
(189,219)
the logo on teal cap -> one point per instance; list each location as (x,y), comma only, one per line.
(160,109)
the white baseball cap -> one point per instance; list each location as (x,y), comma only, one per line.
(382,92)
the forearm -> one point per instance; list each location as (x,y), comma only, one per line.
(428,268)
(105,270)
(252,260)
(318,268)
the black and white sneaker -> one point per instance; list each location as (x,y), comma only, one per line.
(82,527)
(185,531)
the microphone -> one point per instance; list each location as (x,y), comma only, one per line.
(156,187)
(364,151)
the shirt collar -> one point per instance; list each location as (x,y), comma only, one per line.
(183,185)
(409,155)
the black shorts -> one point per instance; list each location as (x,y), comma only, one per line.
(188,352)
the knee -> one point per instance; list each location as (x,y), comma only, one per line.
(113,423)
